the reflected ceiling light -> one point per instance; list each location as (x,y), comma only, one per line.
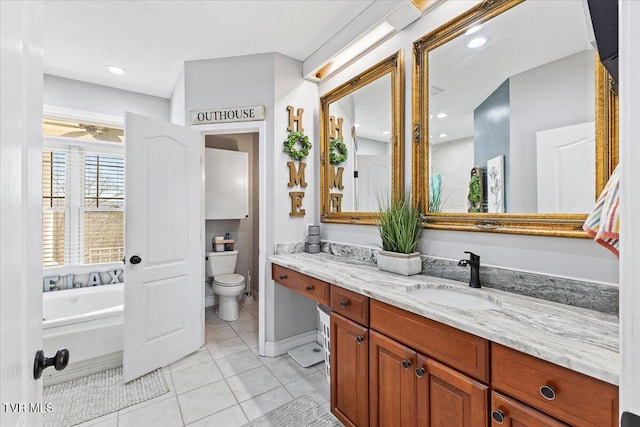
(474,29)
(442,115)
(477,42)
(116,70)
(356,125)
(443,135)
(362,44)
(386,132)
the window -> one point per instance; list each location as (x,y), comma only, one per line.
(83,194)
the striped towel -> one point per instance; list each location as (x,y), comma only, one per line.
(603,224)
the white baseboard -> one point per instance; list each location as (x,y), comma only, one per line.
(82,369)
(277,348)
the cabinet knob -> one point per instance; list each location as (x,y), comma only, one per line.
(406,364)
(309,288)
(282,276)
(548,392)
(344,303)
(420,372)
(498,416)
(359,339)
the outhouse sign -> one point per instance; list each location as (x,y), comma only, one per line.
(227,115)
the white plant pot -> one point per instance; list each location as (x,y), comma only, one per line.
(395,262)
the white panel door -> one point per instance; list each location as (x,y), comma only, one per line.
(374,181)
(164,293)
(566,169)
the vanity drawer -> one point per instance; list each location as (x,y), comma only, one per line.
(350,304)
(460,350)
(305,285)
(571,396)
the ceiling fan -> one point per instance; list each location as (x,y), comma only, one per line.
(99,133)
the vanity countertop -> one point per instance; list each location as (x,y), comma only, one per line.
(583,340)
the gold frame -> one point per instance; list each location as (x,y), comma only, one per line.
(394,65)
(561,225)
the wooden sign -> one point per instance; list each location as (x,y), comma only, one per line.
(295,119)
(227,115)
(296,203)
(336,202)
(56,283)
(336,127)
(335,177)
(296,177)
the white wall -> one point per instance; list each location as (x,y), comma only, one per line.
(630,206)
(557,94)
(274,81)
(577,258)
(176,103)
(453,161)
(88,97)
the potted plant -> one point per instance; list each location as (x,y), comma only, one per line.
(400,227)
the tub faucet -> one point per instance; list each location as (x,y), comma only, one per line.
(474,262)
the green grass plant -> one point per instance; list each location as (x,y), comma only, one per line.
(399,224)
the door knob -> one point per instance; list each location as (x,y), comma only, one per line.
(359,339)
(548,392)
(406,364)
(135,259)
(59,361)
(344,303)
(309,288)
(498,416)
(420,372)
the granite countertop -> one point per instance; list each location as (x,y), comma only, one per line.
(583,340)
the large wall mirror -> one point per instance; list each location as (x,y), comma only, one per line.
(515,120)
(362,149)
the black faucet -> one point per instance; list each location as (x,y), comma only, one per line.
(474,262)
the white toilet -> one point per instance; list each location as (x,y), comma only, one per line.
(226,284)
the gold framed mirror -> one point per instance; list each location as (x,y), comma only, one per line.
(362,143)
(515,120)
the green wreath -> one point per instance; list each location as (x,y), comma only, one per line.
(337,151)
(297,138)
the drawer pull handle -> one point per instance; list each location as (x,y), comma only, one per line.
(406,364)
(359,339)
(498,416)
(420,372)
(548,392)
(309,288)
(282,276)
(344,303)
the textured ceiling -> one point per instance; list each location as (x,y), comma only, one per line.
(152,39)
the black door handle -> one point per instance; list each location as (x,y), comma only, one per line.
(135,259)
(59,361)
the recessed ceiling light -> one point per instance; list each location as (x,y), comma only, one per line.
(116,70)
(477,42)
(356,125)
(442,115)
(443,135)
(474,29)
(386,132)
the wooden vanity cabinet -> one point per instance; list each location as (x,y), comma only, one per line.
(310,287)
(349,366)
(511,413)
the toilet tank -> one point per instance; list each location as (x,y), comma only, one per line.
(217,263)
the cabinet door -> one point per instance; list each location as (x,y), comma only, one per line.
(393,382)
(226,184)
(511,413)
(448,398)
(349,371)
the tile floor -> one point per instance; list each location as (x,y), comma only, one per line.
(225,383)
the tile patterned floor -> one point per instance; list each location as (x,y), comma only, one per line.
(225,383)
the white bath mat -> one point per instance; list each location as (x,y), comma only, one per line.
(304,411)
(90,397)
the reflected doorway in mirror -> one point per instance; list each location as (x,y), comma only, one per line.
(495,185)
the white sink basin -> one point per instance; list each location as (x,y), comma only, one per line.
(454,299)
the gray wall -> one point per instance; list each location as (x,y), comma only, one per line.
(491,134)
(76,95)
(275,81)
(560,93)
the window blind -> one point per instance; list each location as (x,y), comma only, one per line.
(83,206)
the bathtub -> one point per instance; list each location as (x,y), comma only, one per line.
(86,321)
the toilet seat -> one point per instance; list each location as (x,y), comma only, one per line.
(229,279)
